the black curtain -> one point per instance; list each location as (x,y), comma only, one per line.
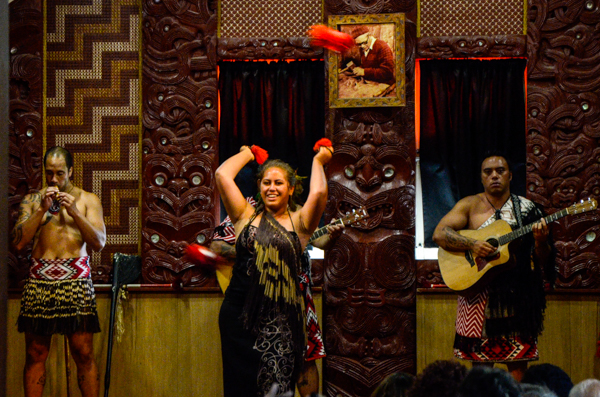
(278,106)
(467,108)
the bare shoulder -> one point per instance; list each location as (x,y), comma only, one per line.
(467,204)
(89,199)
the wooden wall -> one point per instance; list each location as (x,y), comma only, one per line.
(153,358)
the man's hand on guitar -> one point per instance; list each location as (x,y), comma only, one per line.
(483,249)
(540,231)
(335,230)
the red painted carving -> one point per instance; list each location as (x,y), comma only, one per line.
(472,46)
(268,48)
(347,7)
(563,152)
(370,274)
(25,118)
(179,139)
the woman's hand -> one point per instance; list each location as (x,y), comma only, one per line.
(247,148)
(324,154)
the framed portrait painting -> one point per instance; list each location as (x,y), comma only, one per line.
(372,72)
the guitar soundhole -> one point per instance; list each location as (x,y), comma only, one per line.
(494,243)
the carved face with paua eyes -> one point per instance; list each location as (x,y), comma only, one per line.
(373,168)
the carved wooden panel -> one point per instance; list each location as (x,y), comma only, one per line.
(267,48)
(472,47)
(179,137)
(370,274)
(346,7)
(369,277)
(563,129)
(25,118)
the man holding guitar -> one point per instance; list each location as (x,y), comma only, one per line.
(500,320)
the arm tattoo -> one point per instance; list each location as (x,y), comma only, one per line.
(17,234)
(457,241)
(42,379)
(228,251)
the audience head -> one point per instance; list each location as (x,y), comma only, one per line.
(440,378)
(586,388)
(551,376)
(394,385)
(489,382)
(531,390)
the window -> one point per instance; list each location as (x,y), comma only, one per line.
(464,108)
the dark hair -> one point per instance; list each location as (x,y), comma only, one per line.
(496,153)
(62,152)
(551,376)
(293,179)
(489,382)
(394,385)
(441,378)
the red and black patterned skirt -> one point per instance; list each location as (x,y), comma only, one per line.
(59,298)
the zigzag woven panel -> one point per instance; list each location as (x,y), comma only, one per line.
(471,18)
(92,101)
(268,18)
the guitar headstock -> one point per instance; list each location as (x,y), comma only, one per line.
(356,215)
(584,206)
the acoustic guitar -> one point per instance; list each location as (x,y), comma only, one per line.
(465,273)
(224,269)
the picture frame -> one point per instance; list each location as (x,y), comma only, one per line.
(375,87)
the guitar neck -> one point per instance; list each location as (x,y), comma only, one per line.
(323,230)
(507,238)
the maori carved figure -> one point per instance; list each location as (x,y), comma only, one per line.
(472,46)
(25,118)
(577,254)
(370,274)
(180,137)
(178,207)
(268,48)
(428,273)
(563,153)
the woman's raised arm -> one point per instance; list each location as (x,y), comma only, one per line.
(311,212)
(234,201)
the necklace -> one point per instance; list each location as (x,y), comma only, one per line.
(497,211)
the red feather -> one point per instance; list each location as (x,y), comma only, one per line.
(323,36)
(260,154)
(322,142)
(202,255)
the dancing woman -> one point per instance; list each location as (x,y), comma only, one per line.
(262,317)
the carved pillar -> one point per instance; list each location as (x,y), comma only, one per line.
(180,139)
(25,120)
(369,281)
(563,129)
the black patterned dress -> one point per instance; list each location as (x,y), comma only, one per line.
(253,362)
